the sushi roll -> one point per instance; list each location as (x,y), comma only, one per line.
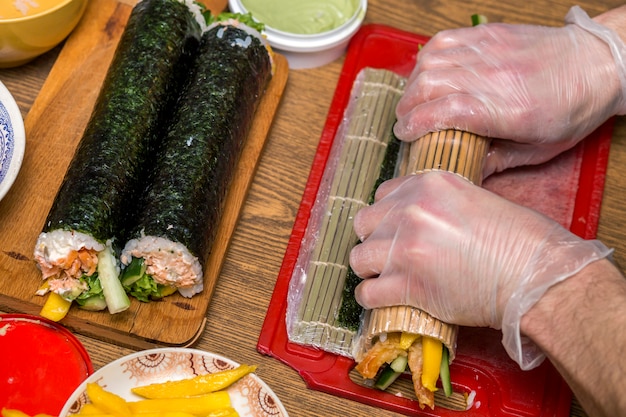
(172,239)
(95,203)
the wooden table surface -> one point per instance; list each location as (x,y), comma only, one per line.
(256,252)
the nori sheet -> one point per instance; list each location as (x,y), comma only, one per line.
(349,314)
(142,83)
(185,201)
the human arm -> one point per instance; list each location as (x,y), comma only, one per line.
(535,90)
(580,324)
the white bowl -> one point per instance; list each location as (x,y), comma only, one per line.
(12,140)
(250,396)
(310,51)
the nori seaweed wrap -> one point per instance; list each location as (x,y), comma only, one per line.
(93,206)
(183,205)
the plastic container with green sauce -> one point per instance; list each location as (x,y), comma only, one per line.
(309,33)
(305,17)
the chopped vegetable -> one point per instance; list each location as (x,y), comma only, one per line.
(444,372)
(141,285)
(246,19)
(108,273)
(224,412)
(200,396)
(107,401)
(477,19)
(93,298)
(432,353)
(11,412)
(201,384)
(426,358)
(135,270)
(391,373)
(115,405)
(383,351)
(55,308)
(407,339)
(201,405)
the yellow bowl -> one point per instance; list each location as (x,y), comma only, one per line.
(25,37)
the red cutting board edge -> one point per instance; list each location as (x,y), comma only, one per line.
(502,389)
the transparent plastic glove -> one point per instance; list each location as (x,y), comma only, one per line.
(542,88)
(463,254)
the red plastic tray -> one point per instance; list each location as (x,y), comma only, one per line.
(481,365)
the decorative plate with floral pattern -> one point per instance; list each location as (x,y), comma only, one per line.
(250,396)
(12,140)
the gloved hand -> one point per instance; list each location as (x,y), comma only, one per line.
(463,254)
(542,88)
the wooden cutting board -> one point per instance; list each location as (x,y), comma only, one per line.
(54,127)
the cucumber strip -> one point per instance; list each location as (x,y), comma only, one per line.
(444,372)
(391,372)
(387,377)
(135,270)
(108,273)
(95,303)
(477,19)
(399,364)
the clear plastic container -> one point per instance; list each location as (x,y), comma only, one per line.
(315,50)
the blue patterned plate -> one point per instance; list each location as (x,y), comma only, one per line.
(12,140)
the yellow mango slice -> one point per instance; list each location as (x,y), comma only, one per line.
(55,307)
(198,385)
(201,405)
(432,350)
(407,339)
(107,401)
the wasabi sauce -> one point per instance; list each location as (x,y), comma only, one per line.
(306,17)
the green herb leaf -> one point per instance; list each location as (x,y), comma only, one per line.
(94,291)
(246,19)
(144,289)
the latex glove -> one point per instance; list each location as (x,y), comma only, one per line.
(463,254)
(544,88)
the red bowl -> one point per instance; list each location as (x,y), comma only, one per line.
(41,364)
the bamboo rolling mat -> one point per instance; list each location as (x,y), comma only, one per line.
(352,173)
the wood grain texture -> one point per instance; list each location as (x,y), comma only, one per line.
(254,257)
(54,126)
